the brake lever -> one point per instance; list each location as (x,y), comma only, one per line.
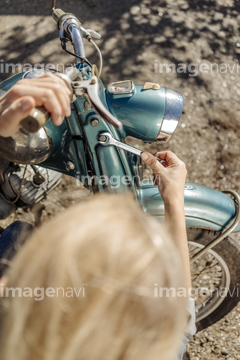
(91,88)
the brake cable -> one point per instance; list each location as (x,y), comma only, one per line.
(63,44)
(100,57)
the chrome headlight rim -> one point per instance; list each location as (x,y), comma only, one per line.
(172,114)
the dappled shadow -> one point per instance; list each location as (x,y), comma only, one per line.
(25,7)
(15,44)
(132,27)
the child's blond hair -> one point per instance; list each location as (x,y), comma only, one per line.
(116,254)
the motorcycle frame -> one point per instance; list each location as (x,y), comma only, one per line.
(75,151)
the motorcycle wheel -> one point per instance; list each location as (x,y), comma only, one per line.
(215,276)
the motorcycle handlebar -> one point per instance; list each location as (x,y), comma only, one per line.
(39,115)
(77,40)
(70,29)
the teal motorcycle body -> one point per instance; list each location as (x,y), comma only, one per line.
(142,112)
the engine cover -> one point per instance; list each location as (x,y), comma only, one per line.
(26,148)
(31,192)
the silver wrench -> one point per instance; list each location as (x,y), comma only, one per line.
(106,139)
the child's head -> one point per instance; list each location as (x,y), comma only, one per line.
(92,273)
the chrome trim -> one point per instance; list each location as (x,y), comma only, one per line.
(71,28)
(77,41)
(173,111)
(26,148)
(120,92)
(37,73)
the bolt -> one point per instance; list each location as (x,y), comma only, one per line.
(93,81)
(87,105)
(94,122)
(70,165)
(102,138)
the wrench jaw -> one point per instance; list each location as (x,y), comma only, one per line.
(102,143)
(104,139)
(107,139)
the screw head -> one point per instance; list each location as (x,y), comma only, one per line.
(93,81)
(70,165)
(94,122)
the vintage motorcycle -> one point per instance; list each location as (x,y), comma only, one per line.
(90,145)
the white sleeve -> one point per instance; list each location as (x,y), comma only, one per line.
(190,329)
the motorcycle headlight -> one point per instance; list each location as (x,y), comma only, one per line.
(151,115)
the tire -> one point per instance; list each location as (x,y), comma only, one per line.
(186,356)
(218,271)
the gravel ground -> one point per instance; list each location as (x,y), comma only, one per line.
(138,36)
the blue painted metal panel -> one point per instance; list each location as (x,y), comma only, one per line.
(204,207)
(7,84)
(141,114)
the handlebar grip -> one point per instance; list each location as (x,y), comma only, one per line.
(39,115)
(35,120)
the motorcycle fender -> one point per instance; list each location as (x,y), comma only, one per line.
(204,207)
